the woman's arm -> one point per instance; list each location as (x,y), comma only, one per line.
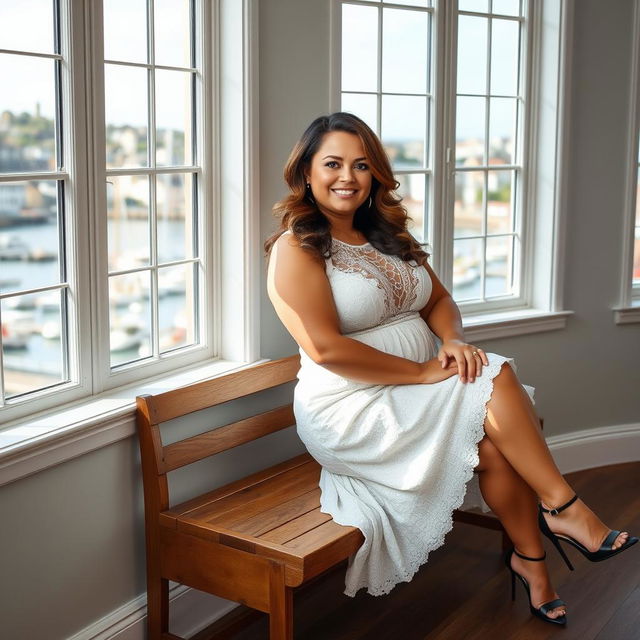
(300,292)
(442,315)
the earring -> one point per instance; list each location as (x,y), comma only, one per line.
(309,195)
(370,202)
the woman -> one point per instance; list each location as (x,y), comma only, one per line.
(400,419)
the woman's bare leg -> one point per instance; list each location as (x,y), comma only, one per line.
(512,426)
(515,504)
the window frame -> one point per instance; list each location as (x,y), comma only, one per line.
(539,306)
(627,310)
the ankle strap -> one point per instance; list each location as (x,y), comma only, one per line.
(528,558)
(555,512)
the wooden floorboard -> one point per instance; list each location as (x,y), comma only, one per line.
(463,592)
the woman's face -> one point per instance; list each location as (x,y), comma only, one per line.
(339,175)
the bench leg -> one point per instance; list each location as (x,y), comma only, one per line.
(280,606)
(157,608)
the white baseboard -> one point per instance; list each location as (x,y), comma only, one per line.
(190,611)
(597,447)
(193,610)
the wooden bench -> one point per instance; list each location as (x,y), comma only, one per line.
(253,540)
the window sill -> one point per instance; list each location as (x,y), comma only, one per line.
(627,315)
(513,323)
(47,439)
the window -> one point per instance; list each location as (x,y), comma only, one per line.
(487,177)
(112,230)
(36,201)
(153,178)
(446,85)
(387,80)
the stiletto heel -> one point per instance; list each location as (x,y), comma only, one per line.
(605,551)
(543,609)
(544,528)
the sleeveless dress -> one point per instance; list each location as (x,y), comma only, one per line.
(396,459)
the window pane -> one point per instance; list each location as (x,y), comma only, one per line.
(470,131)
(125,30)
(128,222)
(472,55)
(502,130)
(126,107)
(172,33)
(177,304)
(130,317)
(404,51)
(365,106)
(173,118)
(27,114)
(359,48)
(499,191)
(473,5)
(31,342)
(404,129)
(29,236)
(412,190)
(175,217)
(504,57)
(499,261)
(468,214)
(27,25)
(467,269)
(506,7)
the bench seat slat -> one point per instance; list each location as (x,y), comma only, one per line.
(319,537)
(297,527)
(260,476)
(280,514)
(259,497)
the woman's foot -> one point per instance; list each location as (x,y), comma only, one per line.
(581,524)
(536,574)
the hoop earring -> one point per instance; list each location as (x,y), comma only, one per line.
(370,202)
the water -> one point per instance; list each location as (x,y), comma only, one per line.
(41,361)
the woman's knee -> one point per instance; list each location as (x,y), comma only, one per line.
(489,455)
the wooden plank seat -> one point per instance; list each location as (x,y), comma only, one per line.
(253,540)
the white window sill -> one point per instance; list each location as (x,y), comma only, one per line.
(627,315)
(47,439)
(513,323)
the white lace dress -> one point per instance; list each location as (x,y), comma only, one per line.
(396,459)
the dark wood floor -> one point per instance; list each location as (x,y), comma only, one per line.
(463,592)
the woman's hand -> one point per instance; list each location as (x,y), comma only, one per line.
(469,359)
(433,371)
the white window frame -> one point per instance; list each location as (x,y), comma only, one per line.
(627,310)
(98,411)
(540,307)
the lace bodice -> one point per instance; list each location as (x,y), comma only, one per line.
(372,288)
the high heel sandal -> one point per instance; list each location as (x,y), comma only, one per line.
(605,551)
(543,609)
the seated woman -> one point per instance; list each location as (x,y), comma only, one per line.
(393,403)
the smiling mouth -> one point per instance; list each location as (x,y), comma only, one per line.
(345,193)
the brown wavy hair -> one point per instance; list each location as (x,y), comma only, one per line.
(384,224)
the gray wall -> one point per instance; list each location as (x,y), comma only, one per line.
(72,537)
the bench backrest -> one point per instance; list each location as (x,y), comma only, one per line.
(152,410)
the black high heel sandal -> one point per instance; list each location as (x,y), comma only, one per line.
(543,609)
(605,551)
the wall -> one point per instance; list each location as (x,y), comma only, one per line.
(72,536)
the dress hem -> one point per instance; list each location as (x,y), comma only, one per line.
(479,400)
